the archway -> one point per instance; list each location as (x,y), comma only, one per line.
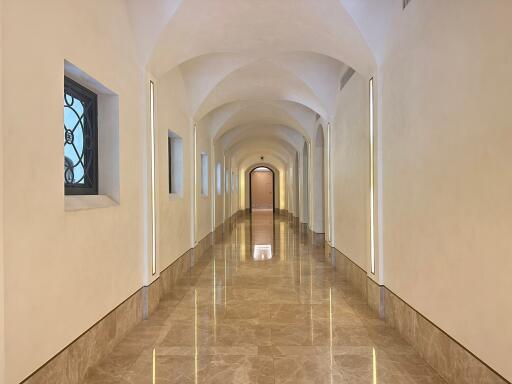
(262,189)
(319,182)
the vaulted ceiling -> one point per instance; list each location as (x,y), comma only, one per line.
(266,70)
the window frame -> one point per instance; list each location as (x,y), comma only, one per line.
(80,92)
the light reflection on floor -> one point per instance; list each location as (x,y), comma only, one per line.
(289,319)
(262,252)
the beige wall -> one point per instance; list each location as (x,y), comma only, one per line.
(447,185)
(174,212)
(204,203)
(350,171)
(65,269)
(219,198)
(262,190)
(319,180)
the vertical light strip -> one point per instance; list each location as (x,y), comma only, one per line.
(374,366)
(214,299)
(372,205)
(311,298)
(154,366)
(195,338)
(195,184)
(330,330)
(329,184)
(225,279)
(153,186)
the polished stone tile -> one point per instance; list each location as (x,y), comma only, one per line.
(227,317)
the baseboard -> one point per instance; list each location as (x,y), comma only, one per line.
(455,363)
(70,365)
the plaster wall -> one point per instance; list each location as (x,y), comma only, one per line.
(174,211)
(319,182)
(446,152)
(204,211)
(304,182)
(58,263)
(350,171)
(219,197)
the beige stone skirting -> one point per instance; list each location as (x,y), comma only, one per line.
(449,358)
(70,365)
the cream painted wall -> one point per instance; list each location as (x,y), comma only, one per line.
(174,229)
(304,184)
(235,197)
(350,172)
(65,269)
(219,198)
(319,181)
(204,211)
(282,189)
(447,186)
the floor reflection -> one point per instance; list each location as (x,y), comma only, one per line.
(262,252)
(289,319)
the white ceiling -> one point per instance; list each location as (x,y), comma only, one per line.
(265,69)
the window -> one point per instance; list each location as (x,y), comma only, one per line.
(80,139)
(218,176)
(204,174)
(175,159)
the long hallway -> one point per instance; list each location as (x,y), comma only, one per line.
(263,305)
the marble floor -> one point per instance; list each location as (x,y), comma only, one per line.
(263,306)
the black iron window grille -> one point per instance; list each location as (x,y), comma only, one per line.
(80,140)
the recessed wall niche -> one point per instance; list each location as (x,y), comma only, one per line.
(108,182)
(175,160)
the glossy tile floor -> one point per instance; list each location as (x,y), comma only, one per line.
(263,306)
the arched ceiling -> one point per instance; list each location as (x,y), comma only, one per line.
(240,113)
(257,73)
(172,32)
(290,140)
(245,160)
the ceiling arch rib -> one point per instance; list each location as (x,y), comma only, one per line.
(318,74)
(279,149)
(240,113)
(247,159)
(288,136)
(262,80)
(247,26)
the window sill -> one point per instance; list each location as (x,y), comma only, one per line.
(175,196)
(85,202)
